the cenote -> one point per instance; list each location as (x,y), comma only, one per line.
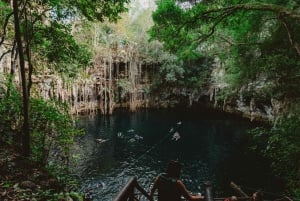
(212,147)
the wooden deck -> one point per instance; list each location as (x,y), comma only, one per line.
(132,191)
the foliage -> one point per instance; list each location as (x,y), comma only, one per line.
(167,20)
(281,144)
(126,38)
(229,29)
(125,87)
(52,130)
(181,77)
(64,176)
(51,136)
(99,9)
(52,127)
(171,70)
(4,11)
(10,112)
(190,70)
(50,196)
(66,196)
(68,60)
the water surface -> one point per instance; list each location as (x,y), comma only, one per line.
(212,146)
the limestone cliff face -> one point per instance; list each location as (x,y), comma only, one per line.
(124,80)
(118,80)
(102,87)
(247,103)
(4,61)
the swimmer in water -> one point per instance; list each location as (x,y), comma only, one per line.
(176,136)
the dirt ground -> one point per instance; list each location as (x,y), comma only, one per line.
(21,179)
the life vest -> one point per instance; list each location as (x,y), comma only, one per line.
(168,189)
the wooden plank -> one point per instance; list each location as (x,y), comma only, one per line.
(238,190)
(208,191)
(128,189)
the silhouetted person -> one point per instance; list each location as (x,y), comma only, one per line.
(170,187)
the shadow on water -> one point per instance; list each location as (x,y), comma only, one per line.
(211,146)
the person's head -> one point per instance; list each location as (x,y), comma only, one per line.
(257,196)
(173,169)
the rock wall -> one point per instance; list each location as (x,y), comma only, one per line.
(124,80)
(247,103)
(98,88)
(118,80)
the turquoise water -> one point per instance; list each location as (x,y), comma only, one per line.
(212,146)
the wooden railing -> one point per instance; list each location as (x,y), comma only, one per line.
(208,196)
(128,193)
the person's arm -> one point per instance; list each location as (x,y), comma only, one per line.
(186,194)
(154,187)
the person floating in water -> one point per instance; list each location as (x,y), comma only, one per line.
(176,136)
(101,140)
(170,187)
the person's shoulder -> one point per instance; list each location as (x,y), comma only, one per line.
(159,177)
(162,176)
(179,182)
(181,186)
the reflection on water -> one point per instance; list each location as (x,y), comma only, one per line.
(211,147)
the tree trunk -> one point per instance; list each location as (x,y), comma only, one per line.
(110,90)
(105,87)
(26,133)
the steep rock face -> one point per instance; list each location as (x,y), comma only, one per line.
(124,80)
(121,79)
(247,103)
(100,88)
(8,66)
(4,61)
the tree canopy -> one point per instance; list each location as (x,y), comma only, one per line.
(251,37)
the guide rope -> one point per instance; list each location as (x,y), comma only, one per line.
(154,146)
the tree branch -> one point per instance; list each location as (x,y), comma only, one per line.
(280,10)
(230,42)
(27,39)
(13,58)
(212,29)
(4,53)
(4,27)
(291,36)
(218,15)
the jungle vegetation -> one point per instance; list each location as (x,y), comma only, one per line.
(253,41)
